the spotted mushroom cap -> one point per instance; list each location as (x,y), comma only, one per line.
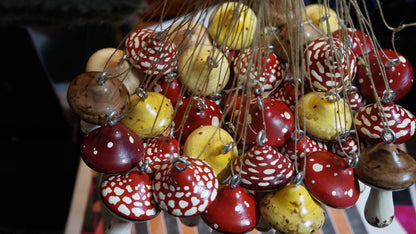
(370,127)
(322,65)
(399,74)
(386,166)
(185,190)
(259,64)
(304,146)
(278,122)
(150,52)
(263,168)
(129,196)
(234,210)
(193,113)
(112,149)
(358,42)
(331,180)
(158,150)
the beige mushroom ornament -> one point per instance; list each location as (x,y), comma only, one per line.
(385,168)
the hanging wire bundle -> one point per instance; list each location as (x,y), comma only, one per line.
(234,112)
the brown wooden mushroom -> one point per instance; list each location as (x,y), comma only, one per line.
(94,97)
(385,168)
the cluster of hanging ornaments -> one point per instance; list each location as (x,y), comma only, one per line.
(264,115)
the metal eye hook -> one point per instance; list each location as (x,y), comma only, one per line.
(391,63)
(260,103)
(227,148)
(112,118)
(141,94)
(200,104)
(259,91)
(170,77)
(102,78)
(261,138)
(353,161)
(388,136)
(351,89)
(389,95)
(145,165)
(212,62)
(298,178)
(120,62)
(297,135)
(324,18)
(230,127)
(235,181)
(332,96)
(170,135)
(343,136)
(180,164)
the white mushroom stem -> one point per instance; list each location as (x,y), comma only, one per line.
(379,208)
(118,226)
(191,221)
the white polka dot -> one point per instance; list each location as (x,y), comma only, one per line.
(110,144)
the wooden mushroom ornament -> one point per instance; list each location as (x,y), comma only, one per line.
(112,149)
(385,168)
(185,186)
(330,179)
(94,96)
(234,210)
(292,210)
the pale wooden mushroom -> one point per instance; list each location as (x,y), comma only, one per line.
(385,168)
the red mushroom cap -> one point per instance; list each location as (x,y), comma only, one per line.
(263,168)
(195,112)
(322,66)
(112,149)
(159,150)
(359,42)
(185,186)
(331,180)
(233,211)
(278,122)
(399,74)
(259,64)
(370,127)
(150,52)
(129,196)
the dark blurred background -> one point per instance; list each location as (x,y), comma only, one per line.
(39,141)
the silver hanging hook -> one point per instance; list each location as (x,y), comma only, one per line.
(227,148)
(388,136)
(389,95)
(235,181)
(120,62)
(297,134)
(141,94)
(353,161)
(391,63)
(261,138)
(112,118)
(298,178)
(145,165)
(200,103)
(170,77)
(332,96)
(212,62)
(180,164)
(260,103)
(230,127)
(343,136)
(102,78)
(351,89)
